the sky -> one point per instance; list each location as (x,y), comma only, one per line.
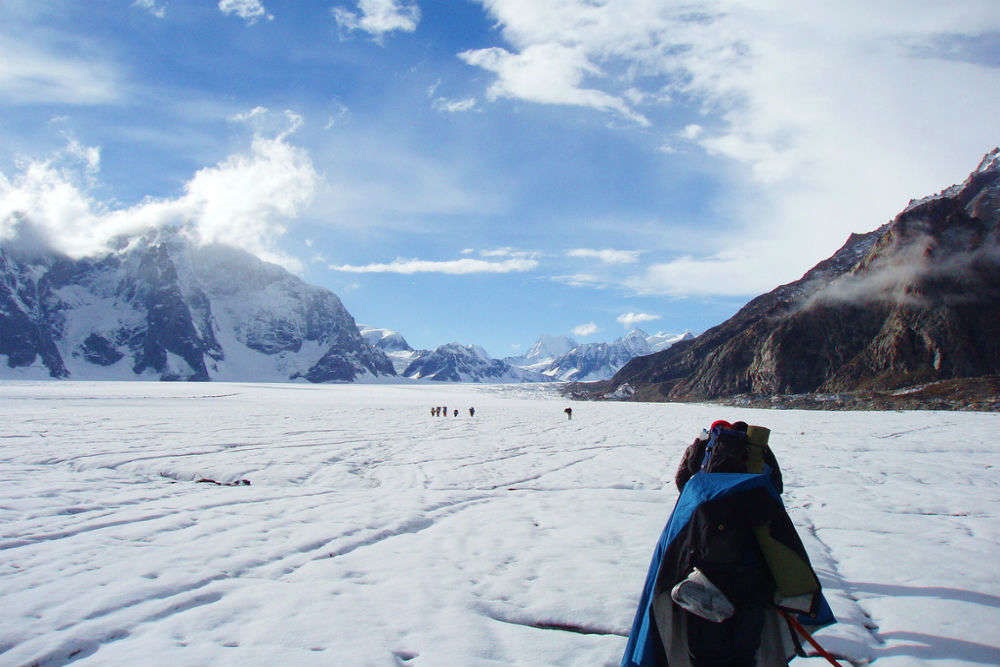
(486,171)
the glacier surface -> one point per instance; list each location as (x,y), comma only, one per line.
(375,534)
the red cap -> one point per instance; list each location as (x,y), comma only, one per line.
(720,422)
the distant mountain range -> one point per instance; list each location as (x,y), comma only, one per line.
(913,302)
(161,307)
(550,359)
(561,358)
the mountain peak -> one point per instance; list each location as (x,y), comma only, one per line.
(990,161)
(915,301)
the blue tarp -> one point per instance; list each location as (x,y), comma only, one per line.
(644,648)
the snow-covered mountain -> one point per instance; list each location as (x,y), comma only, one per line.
(392,344)
(592,361)
(661,341)
(161,307)
(545,350)
(455,362)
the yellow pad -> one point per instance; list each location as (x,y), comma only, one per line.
(792,575)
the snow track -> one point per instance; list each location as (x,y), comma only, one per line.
(375,534)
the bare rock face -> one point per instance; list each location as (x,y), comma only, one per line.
(26,323)
(914,301)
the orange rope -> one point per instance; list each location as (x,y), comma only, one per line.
(822,651)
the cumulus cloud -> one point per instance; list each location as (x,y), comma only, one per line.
(607,255)
(245,200)
(378,17)
(583,330)
(250,11)
(453,267)
(629,320)
(30,75)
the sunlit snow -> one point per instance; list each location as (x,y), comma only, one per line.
(375,534)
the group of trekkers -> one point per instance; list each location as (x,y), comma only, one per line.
(442,411)
(730,583)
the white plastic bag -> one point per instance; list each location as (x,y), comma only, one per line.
(701,597)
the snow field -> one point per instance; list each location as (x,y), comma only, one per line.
(375,534)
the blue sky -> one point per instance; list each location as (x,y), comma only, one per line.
(488,171)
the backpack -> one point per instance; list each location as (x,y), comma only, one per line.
(733,450)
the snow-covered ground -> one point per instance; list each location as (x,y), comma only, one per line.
(375,534)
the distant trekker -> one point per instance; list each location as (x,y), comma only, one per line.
(472,412)
(456,412)
(569,413)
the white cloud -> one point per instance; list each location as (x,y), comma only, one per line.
(467,251)
(245,200)
(607,255)
(250,11)
(88,156)
(338,113)
(691,132)
(349,287)
(584,329)
(263,121)
(829,116)
(507,251)
(582,280)
(151,7)
(728,273)
(629,320)
(452,267)
(548,74)
(455,106)
(32,75)
(379,17)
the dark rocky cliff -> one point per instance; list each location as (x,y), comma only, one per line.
(914,301)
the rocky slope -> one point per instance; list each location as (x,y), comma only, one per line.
(915,301)
(159,307)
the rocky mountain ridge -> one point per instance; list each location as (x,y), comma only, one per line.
(914,301)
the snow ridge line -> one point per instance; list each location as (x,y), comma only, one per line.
(408,527)
(533,478)
(26,540)
(78,647)
(548,625)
